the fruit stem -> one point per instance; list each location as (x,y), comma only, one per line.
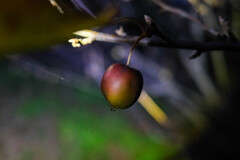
(134,45)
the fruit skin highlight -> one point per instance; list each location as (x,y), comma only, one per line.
(121,85)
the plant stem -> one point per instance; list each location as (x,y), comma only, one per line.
(134,45)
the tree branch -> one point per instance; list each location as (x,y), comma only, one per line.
(163,41)
(157,42)
(184,14)
(197,45)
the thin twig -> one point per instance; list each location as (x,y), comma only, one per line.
(55,4)
(184,14)
(129,19)
(226,27)
(152,28)
(196,54)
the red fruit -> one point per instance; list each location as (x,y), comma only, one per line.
(121,85)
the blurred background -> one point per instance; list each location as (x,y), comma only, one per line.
(51,106)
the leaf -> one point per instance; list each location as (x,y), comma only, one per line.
(30,25)
(81,6)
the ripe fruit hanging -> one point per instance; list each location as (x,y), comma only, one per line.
(121,85)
